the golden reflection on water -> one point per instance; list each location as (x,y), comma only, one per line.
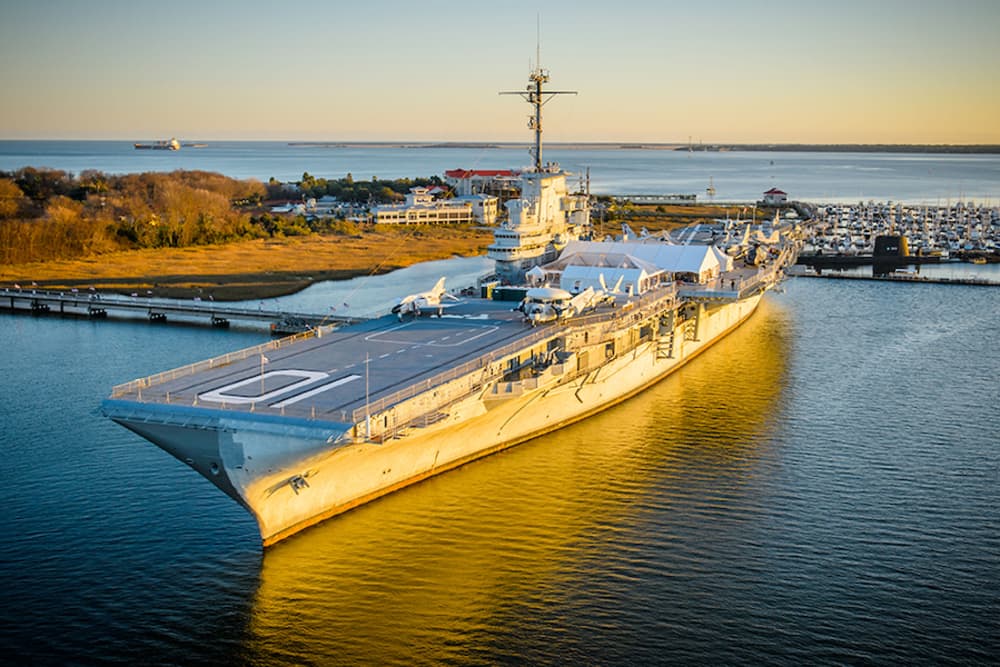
(446,569)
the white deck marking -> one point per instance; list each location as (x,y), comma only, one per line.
(378,334)
(381,336)
(317,390)
(220,395)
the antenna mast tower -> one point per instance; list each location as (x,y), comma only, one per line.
(537,97)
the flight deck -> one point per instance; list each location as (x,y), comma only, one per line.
(340,373)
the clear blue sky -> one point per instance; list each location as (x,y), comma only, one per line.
(723,71)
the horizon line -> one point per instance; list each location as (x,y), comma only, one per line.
(480,143)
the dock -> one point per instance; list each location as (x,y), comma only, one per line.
(157,310)
(903,278)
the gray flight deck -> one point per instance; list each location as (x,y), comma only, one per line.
(328,378)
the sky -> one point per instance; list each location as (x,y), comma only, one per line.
(784,71)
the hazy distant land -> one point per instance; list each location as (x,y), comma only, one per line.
(812,148)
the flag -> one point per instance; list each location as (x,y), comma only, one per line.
(264,360)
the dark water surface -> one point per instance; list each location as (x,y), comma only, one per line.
(821,487)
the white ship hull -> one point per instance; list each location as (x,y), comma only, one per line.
(340,418)
(291,474)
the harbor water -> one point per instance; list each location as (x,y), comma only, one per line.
(821,487)
(736,176)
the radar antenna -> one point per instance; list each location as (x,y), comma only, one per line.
(537,97)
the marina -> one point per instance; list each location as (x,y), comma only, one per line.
(964,230)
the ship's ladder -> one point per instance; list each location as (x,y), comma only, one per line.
(691,330)
(665,336)
(665,345)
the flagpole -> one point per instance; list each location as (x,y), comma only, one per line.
(368,417)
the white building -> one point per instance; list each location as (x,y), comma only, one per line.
(467,182)
(484,207)
(775,197)
(420,208)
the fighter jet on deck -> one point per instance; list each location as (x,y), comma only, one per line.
(431,299)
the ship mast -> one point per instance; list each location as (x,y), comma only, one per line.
(537,97)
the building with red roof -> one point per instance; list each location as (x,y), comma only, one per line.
(467,182)
(775,197)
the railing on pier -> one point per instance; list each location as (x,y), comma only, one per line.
(85,300)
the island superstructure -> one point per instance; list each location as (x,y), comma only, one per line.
(546,216)
(310,426)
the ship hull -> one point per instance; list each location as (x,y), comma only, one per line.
(291,474)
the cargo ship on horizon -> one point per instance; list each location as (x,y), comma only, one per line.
(307,427)
(165,145)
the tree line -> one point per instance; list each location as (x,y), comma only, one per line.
(348,190)
(48,214)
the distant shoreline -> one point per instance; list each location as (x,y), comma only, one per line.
(713,148)
(935,149)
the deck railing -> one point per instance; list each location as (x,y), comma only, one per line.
(215,362)
(635,310)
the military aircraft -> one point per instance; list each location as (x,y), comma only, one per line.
(548,304)
(431,299)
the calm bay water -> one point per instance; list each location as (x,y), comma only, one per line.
(737,176)
(822,486)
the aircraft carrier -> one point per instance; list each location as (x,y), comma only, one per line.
(311,426)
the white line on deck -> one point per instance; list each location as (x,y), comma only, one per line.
(317,390)
(222,395)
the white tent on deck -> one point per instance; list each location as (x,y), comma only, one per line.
(699,263)
(535,275)
(575,279)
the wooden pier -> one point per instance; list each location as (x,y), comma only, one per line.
(217,314)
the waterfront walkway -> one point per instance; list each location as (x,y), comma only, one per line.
(99,306)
